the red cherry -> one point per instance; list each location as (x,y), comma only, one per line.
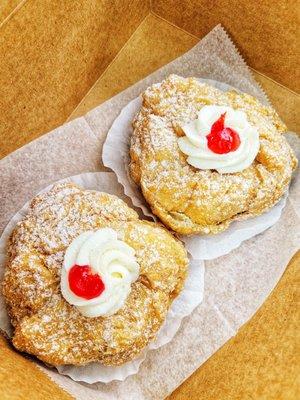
(222,140)
(85,284)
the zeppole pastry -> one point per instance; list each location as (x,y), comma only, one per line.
(204,158)
(87,280)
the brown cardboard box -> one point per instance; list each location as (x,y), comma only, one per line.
(58,59)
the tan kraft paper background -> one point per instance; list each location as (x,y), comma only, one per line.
(55,168)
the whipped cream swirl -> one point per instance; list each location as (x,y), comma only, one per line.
(112,259)
(194,144)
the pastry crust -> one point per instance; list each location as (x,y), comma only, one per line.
(189,200)
(53,330)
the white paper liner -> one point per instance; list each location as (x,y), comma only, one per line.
(115,156)
(183,305)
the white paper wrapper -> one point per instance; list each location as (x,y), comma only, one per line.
(183,305)
(202,247)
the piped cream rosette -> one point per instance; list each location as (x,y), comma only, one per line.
(112,259)
(194,144)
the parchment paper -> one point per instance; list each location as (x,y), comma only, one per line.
(190,297)
(115,155)
(235,285)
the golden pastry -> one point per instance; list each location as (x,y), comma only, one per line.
(204,158)
(87,280)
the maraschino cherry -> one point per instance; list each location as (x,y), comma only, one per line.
(84,283)
(222,140)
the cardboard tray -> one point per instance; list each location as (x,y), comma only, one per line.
(59,60)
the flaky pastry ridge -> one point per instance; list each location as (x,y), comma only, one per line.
(193,201)
(48,327)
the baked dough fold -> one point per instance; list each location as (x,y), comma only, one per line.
(48,327)
(193,201)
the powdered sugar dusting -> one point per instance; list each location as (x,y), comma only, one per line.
(189,200)
(53,330)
